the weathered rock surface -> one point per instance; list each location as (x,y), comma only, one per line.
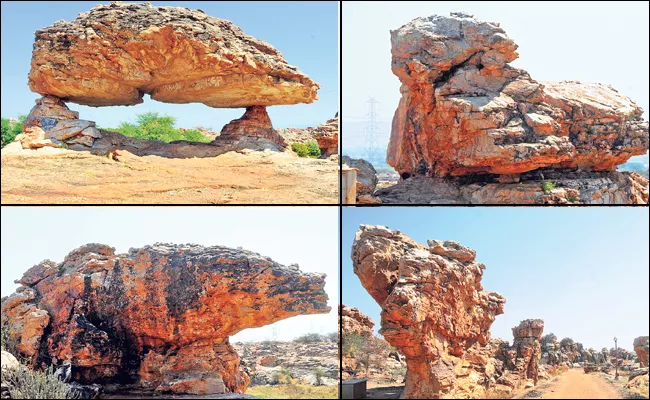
(366,179)
(51,123)
(327,137)
(114,54)
(434,310)
(264,360)
(523,356)
(354,322)
(158,317)
(570,188)
(8,361)
(465,111)
(641,350)
(254,123)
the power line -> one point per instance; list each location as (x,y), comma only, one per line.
(371,131)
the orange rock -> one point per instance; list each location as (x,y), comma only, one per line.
(465,111)
(327,136)
(433,310)
(115,53)
(354,322)
(641,350)
(254,123)
(158,317)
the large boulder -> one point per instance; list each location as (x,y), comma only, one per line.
(641,350)
(434,311)
(366,176)
(327,137)
(465,111)
(116,53)
(158,317)
(354,322)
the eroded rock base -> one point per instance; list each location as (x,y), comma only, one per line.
(570,188)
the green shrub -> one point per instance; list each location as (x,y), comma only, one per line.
(333,337)
(281,376)
(548,186)
(319,374)
(571,199)
(152,126)
(309,149)
(10,131)
(24,383)
(310,338)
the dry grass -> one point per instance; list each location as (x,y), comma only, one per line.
(294,391)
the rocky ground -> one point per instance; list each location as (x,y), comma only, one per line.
(63,176)
(267,361)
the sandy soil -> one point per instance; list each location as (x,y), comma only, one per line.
(68,177)
(383,390)
(575,384)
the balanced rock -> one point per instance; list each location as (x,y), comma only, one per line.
(327,137)
(366,176)
(641,350)
(158,317)
(434,311)
(354,322)
(116,53)
(465,111)
(524,354)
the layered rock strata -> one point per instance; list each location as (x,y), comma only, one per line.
(465,112)
(434,309)
(157,318)
(641,350)
(327,137)
(116,53)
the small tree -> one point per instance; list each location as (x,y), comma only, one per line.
(319,374)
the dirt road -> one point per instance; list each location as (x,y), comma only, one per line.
(261,177)
(575,384)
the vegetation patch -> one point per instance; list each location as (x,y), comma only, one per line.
(308,149)
(548,186)
(294,391)
(11,129)
(24,383)
(153,126)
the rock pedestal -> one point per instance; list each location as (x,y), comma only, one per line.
(433,309)
(158,317)
(255,123)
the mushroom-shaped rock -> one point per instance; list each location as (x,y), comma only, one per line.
(158,316)
(255,123)
(465,111)
(434,310)
(115,53)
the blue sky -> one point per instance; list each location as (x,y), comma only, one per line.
(584,271)
(606,42)
(30,235)
(306,33)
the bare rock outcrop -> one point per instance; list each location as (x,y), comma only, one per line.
(522,358)
(327,137)
(354,322)
(255,123)
(434,310)
(158,317)
(641,350)
(465,111)
(116,53)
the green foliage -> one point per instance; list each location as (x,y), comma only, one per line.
(571,199)
(309,149)
(319,374)
(152,126)
(352,345)
(281,376)
(24,383)
(548,186)
(311,338)
(333,337)
(10,131)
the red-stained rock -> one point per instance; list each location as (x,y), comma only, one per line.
(641,350)
(434,310)
(354,322)
(116,53)
(522,358)
(465,111)
(327,137)
(158,317)
(254,123)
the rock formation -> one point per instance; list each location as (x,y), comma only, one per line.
(524,354)
(115,54)
(465,112)
(327,137)
(158,317)
(434,309)
(366,180)
(641,350)
(354,322)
